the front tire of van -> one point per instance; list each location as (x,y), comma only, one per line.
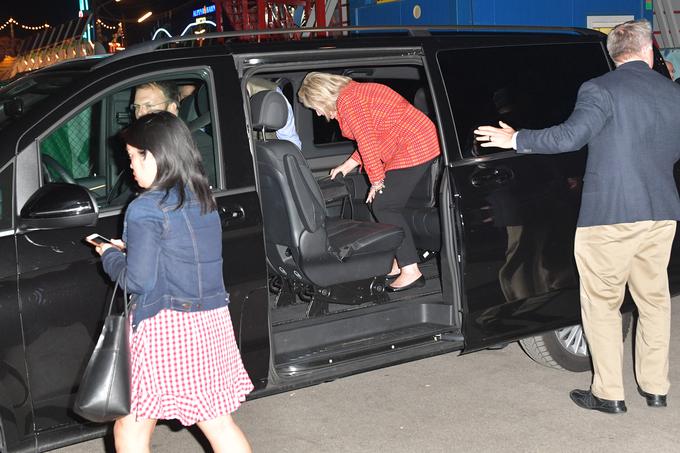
(566,348)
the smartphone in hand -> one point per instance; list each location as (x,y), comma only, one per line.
(97,239)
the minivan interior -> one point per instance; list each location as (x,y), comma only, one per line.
(327,254)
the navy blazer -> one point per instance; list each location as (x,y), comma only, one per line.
(630,119)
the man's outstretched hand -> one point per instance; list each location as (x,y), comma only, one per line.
(500,137)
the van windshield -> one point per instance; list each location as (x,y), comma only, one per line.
(21,95)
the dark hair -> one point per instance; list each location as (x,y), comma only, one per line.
(178,161)
(167,87)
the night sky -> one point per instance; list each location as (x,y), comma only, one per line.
(37,12)
(56,12)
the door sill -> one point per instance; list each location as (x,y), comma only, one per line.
(326,344)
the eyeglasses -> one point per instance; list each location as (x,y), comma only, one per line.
(147,107)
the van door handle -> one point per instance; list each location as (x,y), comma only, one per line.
(489,176)
(231,214)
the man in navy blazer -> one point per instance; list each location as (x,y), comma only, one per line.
(630,205)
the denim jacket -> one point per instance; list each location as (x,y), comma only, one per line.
(174,256)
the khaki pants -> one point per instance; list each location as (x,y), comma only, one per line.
(608,257)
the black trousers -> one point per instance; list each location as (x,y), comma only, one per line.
(388,207)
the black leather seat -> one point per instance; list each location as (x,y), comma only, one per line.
(422,211)
(195,111)
(423,102)
(302,242)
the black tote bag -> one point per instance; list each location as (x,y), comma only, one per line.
(104,392)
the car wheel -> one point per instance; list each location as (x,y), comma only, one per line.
(566,348)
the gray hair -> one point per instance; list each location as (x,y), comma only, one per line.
(629,40)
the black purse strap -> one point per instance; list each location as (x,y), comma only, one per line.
(120,278)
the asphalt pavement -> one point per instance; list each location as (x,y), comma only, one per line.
(488,401)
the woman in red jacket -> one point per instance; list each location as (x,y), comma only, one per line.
(396,144)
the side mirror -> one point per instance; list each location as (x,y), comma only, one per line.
(59,205)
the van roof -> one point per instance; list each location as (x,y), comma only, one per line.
(335,34)
(338,33)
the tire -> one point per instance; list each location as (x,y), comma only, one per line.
(566,348)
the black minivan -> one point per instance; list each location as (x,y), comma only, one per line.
(494,229)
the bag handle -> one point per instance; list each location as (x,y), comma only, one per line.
(125,293)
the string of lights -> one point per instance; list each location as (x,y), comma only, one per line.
(108,27)
(25,27)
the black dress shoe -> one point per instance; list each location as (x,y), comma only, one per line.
(653,400)
(419,283)
(586,400)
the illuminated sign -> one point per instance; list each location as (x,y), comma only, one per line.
(205,10)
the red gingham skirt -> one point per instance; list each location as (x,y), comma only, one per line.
(186,366)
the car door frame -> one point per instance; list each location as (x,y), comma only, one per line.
(393,55)
(492,322)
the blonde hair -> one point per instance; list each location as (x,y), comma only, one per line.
(320,90)
(629,39)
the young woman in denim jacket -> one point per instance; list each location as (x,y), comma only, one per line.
(184,360)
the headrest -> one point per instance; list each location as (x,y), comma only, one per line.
(202,101)
(420,101)
(187,108)
(195,104)
(268,110)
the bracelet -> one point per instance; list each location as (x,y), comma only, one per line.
(379,186)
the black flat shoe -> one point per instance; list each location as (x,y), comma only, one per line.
(653,400)
(419,283)
(586,400)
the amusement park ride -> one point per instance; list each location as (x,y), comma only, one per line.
(273,14)
(71,40)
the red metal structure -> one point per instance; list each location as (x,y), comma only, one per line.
(246,15)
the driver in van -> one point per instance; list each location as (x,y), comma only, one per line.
(396,145)
(166,95)
(154,97)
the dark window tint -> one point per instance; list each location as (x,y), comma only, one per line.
(326,132)
(287,90)
(525,87)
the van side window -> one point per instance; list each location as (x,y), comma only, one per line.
(326,132)
(528,87)
(77,151)
(70,153)
(6,197)
(86,149)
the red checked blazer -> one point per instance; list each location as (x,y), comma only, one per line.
(390,132)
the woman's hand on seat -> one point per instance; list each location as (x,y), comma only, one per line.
(334,172)
(344,168)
